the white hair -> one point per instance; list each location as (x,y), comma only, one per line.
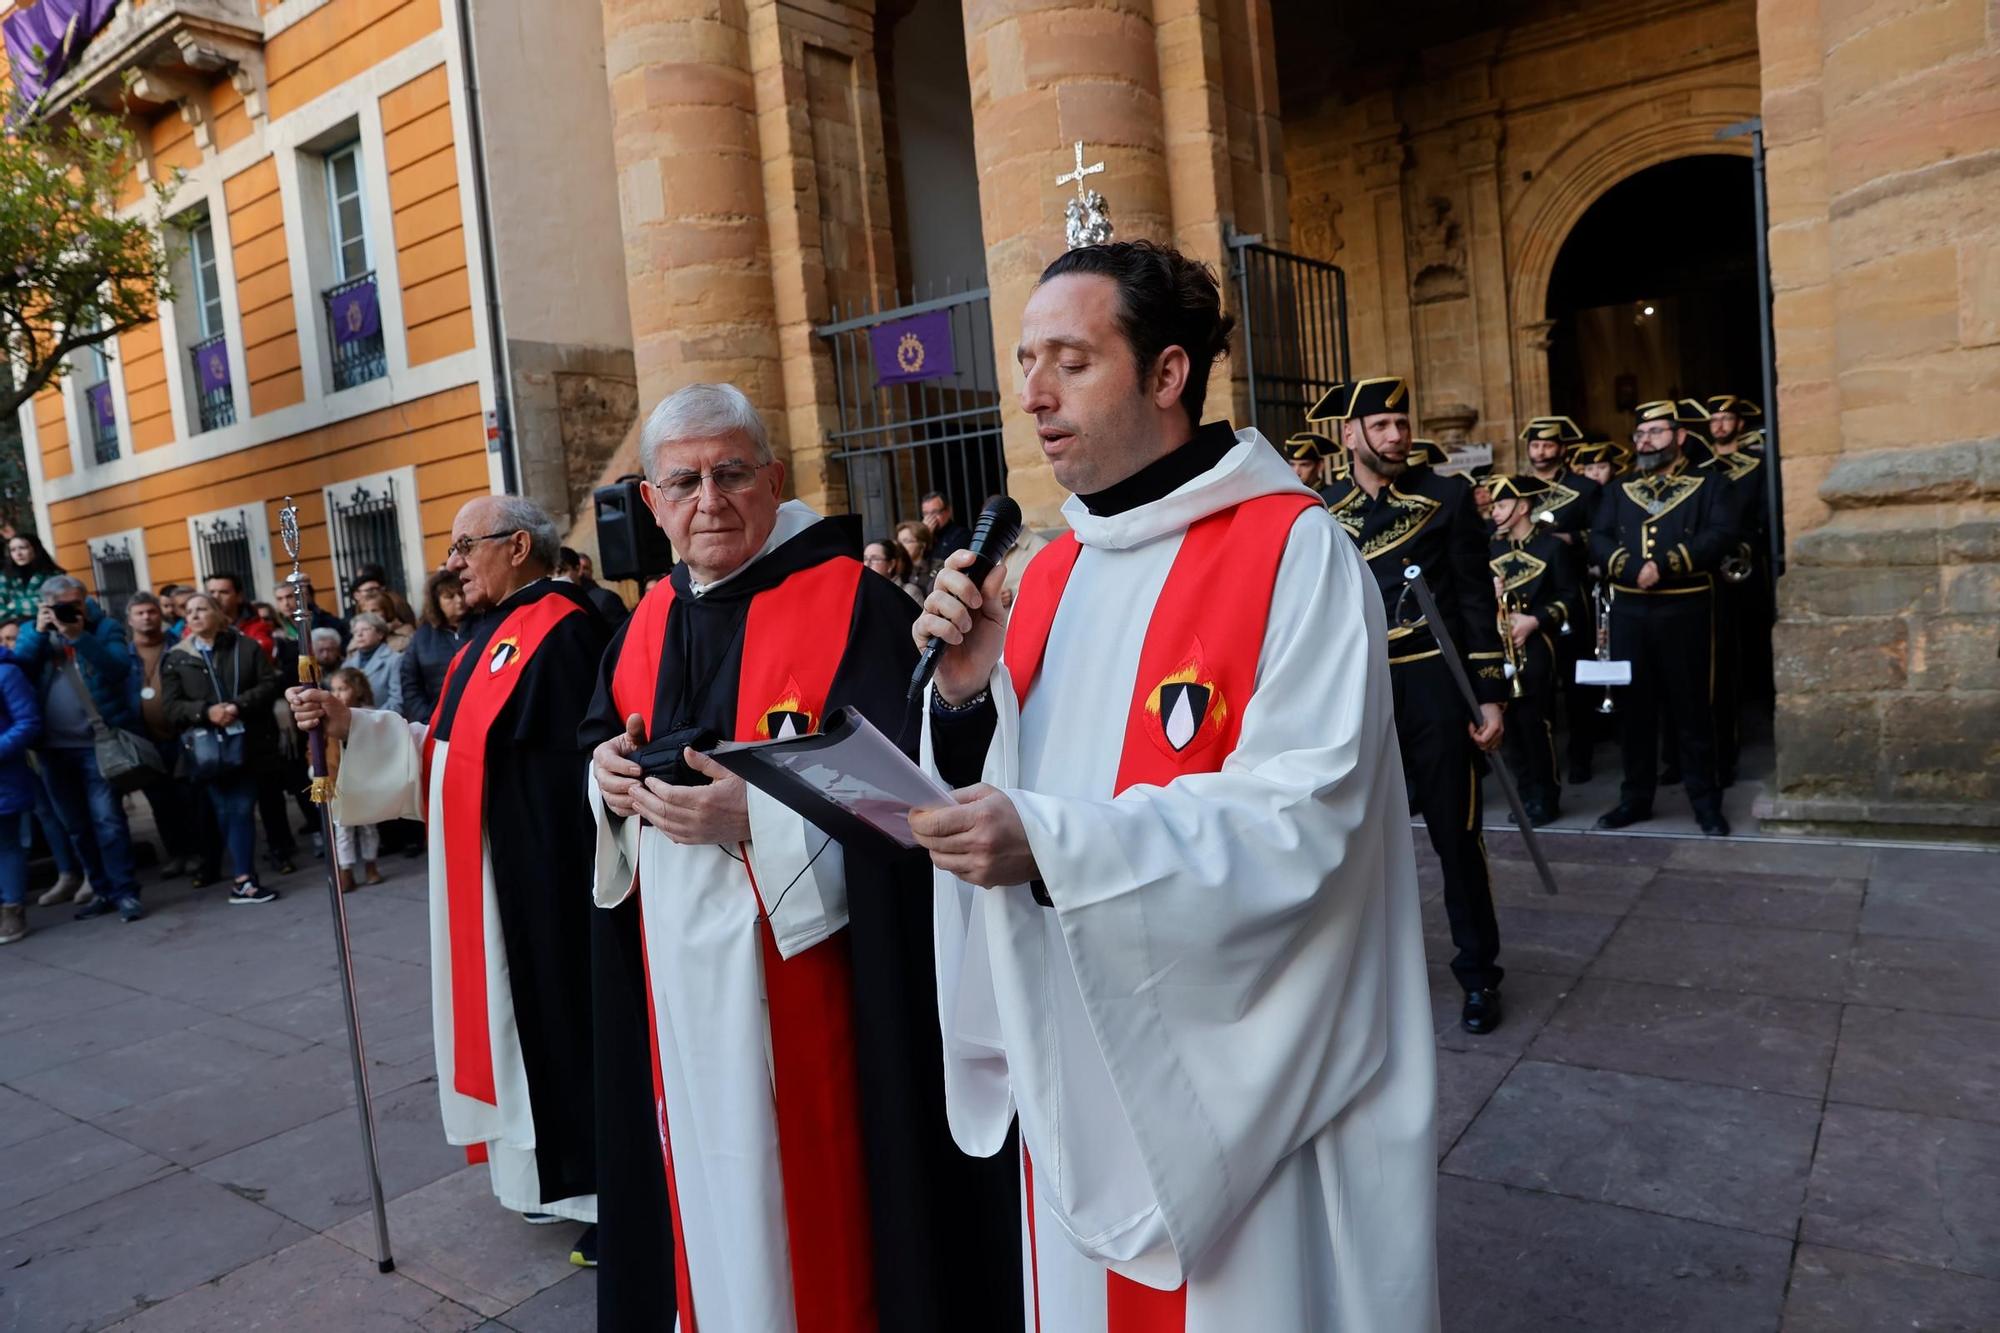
(327,634)
(511,513)
(55,585)
(702,412)
(369,618)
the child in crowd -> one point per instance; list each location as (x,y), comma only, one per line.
(350,686)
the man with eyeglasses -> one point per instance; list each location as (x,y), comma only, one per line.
(793,1042)
(1660,536)
(498,777)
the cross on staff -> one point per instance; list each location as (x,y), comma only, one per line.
(1080,172)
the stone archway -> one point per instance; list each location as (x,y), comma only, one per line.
(1627,139)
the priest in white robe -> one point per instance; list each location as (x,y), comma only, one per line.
(496,775)
(1177,920)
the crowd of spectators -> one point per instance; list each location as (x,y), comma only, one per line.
(182,703)
(912,557)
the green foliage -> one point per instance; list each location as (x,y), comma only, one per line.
(72,271)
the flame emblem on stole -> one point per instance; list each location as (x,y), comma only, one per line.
(1187,704)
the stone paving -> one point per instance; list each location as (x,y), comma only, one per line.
(1741,1086)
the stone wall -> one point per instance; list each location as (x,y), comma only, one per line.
(1446,195)
(1882,124)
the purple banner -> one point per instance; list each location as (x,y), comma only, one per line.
(917,348)
(211,361)
(101,410)
(44,40)
(355,313)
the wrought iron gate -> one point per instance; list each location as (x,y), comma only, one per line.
(224,548)
(116,575)
(1294,331)
(898,441)
(367,530)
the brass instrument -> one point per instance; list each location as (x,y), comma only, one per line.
(1738,565)
(1509,607)
(1600,597)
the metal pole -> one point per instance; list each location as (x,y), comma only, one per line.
(1414,576)
(322,794)
(1774,491)
(1241,244)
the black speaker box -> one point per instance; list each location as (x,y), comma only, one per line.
(630,544)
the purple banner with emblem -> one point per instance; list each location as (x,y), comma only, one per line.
(101,410)
(355,312)
(44,40)
(917,348)
(212,364)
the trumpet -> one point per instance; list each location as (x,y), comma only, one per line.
(1738,565)
(1509,606)
(1600,597)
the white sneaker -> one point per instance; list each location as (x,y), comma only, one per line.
(66,888)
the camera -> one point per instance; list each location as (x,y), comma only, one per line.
(69,613)
(662,758)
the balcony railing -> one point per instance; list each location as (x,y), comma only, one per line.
(215,396)
(103,422)
(354,324)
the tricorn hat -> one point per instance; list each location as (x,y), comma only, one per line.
(1523,487)
(1682,412)
(1351,399)
(1552,428)
(1592,451)
(1306,447)
(1729,402)
(1427,453)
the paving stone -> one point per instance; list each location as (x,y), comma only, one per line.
(315,1286)
(1907,1186)
(1737,856)
(1515,1261)
(1581,886)
(108,1025)
(314,1174)
(32,994)
(1465,1080)
(203,1122)
(1941,976)
(1583,847)
(1838,1291)
(1803,964)
(1753,900)
(22,1117)
(445,1238)
(117,1257)
(1759,1042)
(389,992)
(1552,941)
(1710,1154)
(570,1306)
(1930,865)
(1528,998)
(100,1084)
(66,1169)
(1904,1060)
(1962,911)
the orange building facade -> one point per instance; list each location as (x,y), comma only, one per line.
(332,335)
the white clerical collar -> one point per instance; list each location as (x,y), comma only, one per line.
(1250,469)
(794,517)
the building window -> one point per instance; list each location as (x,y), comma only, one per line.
(223,544)
(99,411)
(215,396)
(116,574)
(353,311)
(366,522)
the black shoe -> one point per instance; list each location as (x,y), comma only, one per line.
(99,906)
(540,1219)
(1625,815)
(1670,776)
(1482,1011)
(1541,812)
(584,1253)
(281,863)
(130,909)
(250,891)
(1712,823)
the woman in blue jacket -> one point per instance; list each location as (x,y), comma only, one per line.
(20,725)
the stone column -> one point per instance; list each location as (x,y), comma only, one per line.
(691,196)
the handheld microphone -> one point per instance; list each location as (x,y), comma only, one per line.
(998,529)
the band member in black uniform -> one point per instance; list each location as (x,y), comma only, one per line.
(1304,452)
(1571,501)
(1744,603)
(1660,536)
(1535,577)
(1400,515)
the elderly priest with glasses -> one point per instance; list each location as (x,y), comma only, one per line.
(497,775)
(795,1056)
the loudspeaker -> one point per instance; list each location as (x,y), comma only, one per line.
(630,544)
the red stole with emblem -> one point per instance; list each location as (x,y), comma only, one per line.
(480,701)
(1197,668)
(793,642)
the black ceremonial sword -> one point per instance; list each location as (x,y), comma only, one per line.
(1413,577)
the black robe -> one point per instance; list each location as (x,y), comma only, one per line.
(946,1246)
(542,838)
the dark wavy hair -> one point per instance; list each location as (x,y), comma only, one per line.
(1165,299)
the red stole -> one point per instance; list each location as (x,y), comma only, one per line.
(1197,668)
(793,643)
(480,701)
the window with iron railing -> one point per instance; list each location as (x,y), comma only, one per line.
(215,399)
(103,422)
(116,574)
(222,546)
(367,530)
(354,321)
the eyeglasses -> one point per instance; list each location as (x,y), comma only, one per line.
(1651,432)
(462,548)
(729,478)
